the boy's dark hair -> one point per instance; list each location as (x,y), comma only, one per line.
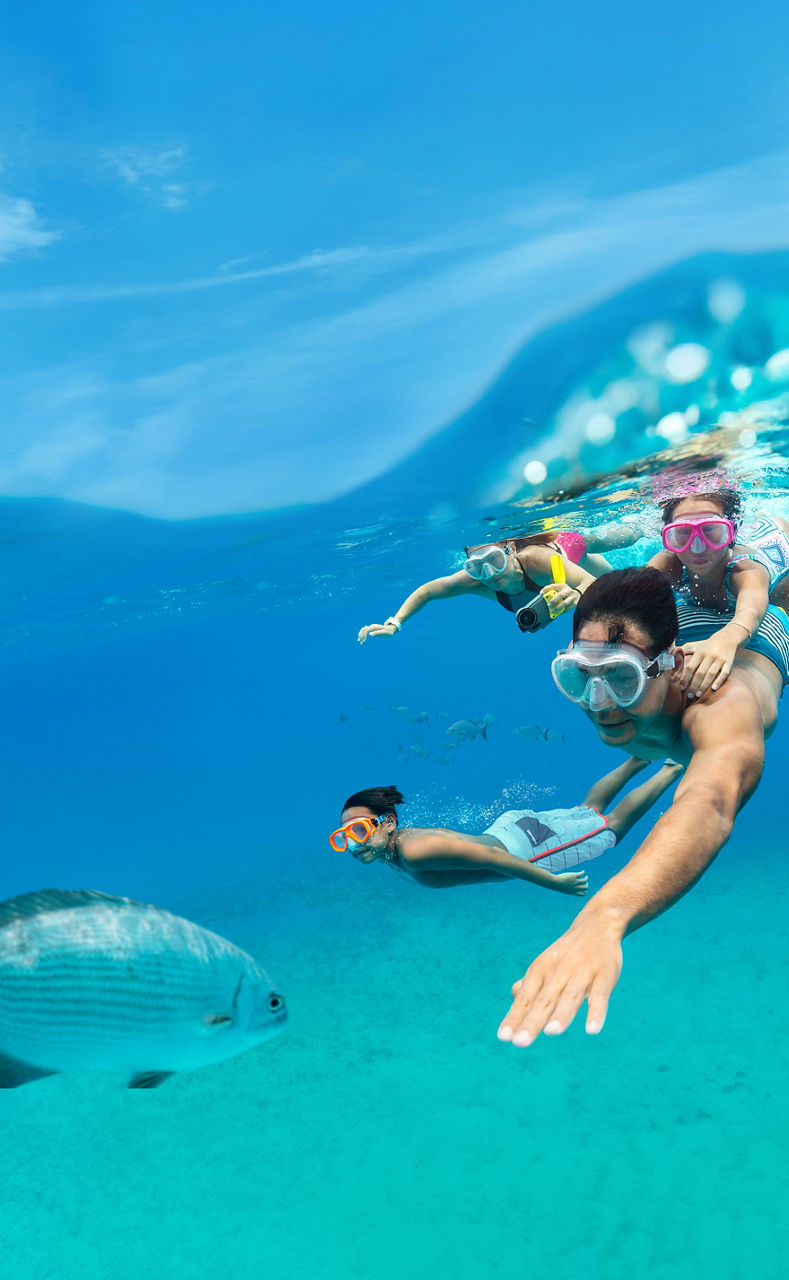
(379,799)
(642,597)
(727,499)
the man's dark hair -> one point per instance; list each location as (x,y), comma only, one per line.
(641,597)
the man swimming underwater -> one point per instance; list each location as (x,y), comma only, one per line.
(625,673)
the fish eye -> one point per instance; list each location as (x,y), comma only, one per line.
(275,1002)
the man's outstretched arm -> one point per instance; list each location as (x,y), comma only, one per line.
(586,961)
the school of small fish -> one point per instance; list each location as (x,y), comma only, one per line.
(460,731)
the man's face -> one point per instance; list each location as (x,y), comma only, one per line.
(617,726)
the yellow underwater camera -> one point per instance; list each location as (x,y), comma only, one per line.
(538,613)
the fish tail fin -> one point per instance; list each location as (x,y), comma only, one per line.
(483,728)
(544,734)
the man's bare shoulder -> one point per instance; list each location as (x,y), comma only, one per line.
(733,714)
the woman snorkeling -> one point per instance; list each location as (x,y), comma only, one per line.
(714,573)
(520,845)
(516,571)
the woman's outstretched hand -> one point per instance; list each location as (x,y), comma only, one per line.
(377,629)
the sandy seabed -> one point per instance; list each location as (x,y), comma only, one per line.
(386,1132)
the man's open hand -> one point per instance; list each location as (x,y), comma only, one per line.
(583,964)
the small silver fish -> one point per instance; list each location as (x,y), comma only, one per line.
(553,735)
(366,707)
(343,717)
(443,715)
(466,730)
(418,717)
(445,759)
(93,982)
(531,732)
(416,750)
(401,711)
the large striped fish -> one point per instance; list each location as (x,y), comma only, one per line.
(92,981)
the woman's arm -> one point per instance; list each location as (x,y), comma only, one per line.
(536,562)
(612,537)
(708,662)
(450,851)
(454,584)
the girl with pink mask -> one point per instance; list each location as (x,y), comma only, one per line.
(731,594)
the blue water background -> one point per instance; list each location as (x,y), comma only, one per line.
(185,710)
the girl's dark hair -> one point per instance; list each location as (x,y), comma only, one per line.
(727,499)
(641,597)
(379,799)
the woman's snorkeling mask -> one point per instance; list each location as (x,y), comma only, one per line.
(594,673)
(486,562)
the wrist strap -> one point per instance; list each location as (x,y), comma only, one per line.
(392,622)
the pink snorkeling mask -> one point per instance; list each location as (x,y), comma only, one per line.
(714,532)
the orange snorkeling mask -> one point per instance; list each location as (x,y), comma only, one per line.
(357,831)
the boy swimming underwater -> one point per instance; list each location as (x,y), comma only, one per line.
(520,845)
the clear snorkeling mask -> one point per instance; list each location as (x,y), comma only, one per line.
(594,673)
(486,562)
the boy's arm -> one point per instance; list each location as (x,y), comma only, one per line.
(445,851)
(727,736)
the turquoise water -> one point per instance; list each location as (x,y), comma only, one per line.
(185,709)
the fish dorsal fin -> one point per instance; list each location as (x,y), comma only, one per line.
(42,901)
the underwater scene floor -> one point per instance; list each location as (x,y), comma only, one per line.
(387,1133)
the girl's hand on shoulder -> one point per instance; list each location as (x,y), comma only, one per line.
(707,664)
